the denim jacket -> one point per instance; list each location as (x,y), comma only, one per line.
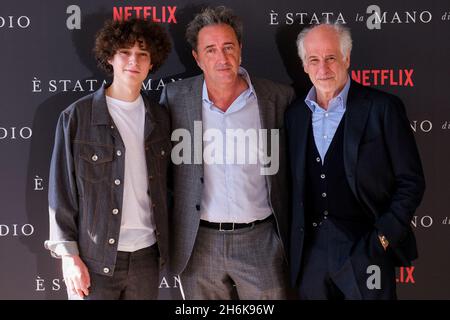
(86,181)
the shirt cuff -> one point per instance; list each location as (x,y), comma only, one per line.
(62,248)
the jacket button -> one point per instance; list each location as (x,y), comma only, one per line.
(115,211)
(94,157)
(111,241)
(119,153)
(163,152)
(197,206)
(105,270)
(117,182)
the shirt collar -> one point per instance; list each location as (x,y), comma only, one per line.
(247,93)
(338,103)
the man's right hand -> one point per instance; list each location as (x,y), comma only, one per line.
(76,275)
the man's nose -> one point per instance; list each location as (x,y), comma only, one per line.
(323,65)
(223,56)
(132,59)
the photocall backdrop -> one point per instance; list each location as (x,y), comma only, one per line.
(46,62)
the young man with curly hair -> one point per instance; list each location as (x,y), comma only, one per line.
(107,185)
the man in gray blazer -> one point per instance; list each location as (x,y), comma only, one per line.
(229,221)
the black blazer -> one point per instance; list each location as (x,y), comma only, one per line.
(382,166)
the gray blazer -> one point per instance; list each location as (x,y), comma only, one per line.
(184,101)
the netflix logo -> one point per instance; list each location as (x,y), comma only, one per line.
(405,275)
(384,77)
(163,14)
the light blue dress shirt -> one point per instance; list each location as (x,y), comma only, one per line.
(233,192)
(326,122)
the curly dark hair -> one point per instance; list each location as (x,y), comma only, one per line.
(124,34)
(213,16)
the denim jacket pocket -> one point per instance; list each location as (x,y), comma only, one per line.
(95,160)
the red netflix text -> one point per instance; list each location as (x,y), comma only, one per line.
(384,77)
(164,14)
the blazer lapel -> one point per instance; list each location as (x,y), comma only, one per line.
(300,136)
(267,114)
(193,108)
(193,102)
(357,113)
(266,106)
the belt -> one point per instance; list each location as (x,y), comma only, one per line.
(231,226)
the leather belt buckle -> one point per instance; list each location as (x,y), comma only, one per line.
(224,224)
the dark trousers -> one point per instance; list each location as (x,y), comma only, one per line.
(136,277)
(335,267)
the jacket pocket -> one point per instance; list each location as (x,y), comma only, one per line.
(94,161)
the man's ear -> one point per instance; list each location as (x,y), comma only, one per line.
(195,55)
(347,61)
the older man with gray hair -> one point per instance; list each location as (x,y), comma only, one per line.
(229,222)
(356,175)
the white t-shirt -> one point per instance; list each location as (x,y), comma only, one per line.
(137,228)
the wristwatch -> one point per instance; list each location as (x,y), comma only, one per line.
(384,241)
